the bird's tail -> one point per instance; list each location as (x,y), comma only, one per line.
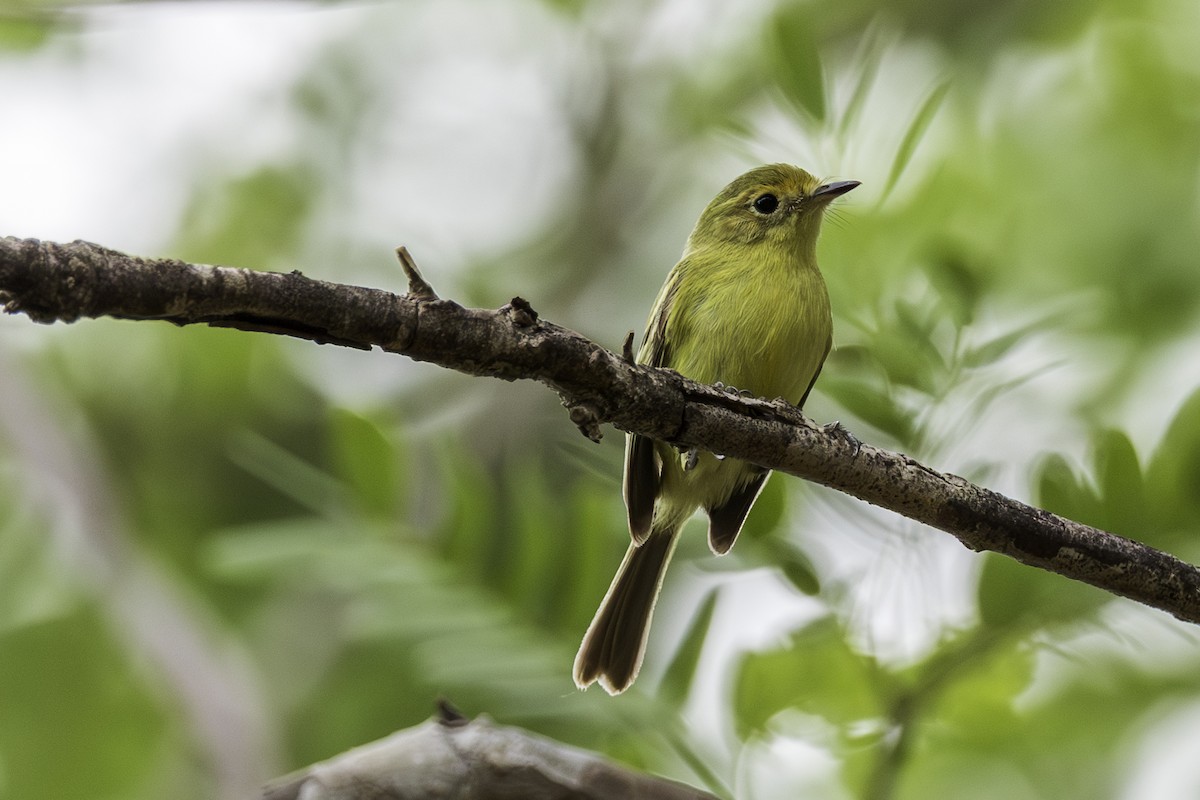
(613,646)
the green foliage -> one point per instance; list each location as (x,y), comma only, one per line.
(1172,476)
(760,545)
(795,59)
(682,670)
(366,462)
(817,673)
(1012,595)
(915,133)
(69,691)
(1157,505)
(254,220)
(23,32)
(410,627)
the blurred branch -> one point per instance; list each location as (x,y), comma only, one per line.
(52,282)
(465,759)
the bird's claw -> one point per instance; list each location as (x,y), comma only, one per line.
(733,390)
(837,429)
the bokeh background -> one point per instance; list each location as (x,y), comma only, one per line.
(226,555)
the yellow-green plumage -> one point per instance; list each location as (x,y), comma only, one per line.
(745,306)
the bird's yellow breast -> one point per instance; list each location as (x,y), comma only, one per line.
(762,327)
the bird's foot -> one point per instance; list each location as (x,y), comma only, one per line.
(838,430)
(733,390)
(691,457)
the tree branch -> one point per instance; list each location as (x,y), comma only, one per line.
(63,282)
(454,757)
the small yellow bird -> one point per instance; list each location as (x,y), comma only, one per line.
(746,306)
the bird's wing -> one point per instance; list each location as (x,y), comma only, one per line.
(725,521)
(817,374)
(643,470)
(642,481)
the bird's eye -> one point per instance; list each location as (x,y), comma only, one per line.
(766,204)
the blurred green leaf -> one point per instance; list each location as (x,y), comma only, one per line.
(999,346)
(283,470)
(572,7)
(469,530)
(958,286)
(677,681)
(32,587)
(28,29)
(773,549)
(978,703)
(1119,477)
(867,61)
(817,672)
(78,720)
(538,520)
(798,569)
(913,357)
(915,133)
(768,511)
(1174,473)
(1119,502)
(1046,738)
(587,556)
(253,221)
(856,377)
(1013,595)
(1062,492)
(366,462)
(874,407)
(413,626)
(795,59)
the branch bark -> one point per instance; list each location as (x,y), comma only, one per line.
(453,757)
(63,282)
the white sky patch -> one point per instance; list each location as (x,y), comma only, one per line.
(100,120)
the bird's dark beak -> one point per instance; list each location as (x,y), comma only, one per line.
(831,190)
